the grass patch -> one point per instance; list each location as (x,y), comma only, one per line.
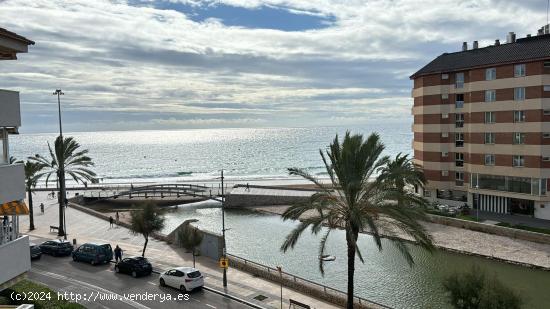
(42,296)
(468,217)
(525,228)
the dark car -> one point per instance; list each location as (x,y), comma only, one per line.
(58,247)
(135,266)
(93,253)
(36,253)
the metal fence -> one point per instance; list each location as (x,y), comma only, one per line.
(327,290)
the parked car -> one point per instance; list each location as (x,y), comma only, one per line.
(135,266)
(182,278)
(58,247)
(93,253)
(36,253)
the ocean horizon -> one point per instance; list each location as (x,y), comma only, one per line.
(198,155)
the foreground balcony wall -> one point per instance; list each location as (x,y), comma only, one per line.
(10,115)
(12,183)
(15,259)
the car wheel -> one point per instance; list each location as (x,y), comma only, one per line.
(134,274)
(75,258)
(183,289)
(117,270)
(162,283)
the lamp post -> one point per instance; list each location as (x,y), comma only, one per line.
(62,231)
(477,203)
(280,269)
(224,252)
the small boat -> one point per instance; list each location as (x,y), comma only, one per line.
(326,258)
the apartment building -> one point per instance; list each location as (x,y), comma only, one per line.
(14,248)
(482,126)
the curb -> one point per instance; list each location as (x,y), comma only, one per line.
(240,300)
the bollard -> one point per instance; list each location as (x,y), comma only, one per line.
(74,241)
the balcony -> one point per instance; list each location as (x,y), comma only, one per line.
(459,104)
(459,183)
(10,115)
(459,124)
(459,163)
(15,259)
(12,178)
(459,143)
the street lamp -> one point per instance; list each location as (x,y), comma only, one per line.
(62,231)
(224,252)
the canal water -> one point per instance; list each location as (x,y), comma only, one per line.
(385,277)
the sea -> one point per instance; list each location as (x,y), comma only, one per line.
(255,155)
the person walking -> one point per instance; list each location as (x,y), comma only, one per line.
(42,208)
(117,218)
(111,221)
(118,254)
(247,187)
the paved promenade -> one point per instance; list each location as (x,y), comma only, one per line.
(464,240)
(87,228)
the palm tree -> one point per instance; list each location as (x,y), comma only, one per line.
(65,158)
(354,202)
(14,160)
(146,221)
(31,177)
(402,172)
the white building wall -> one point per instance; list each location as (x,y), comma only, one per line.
(15,259)
(542,213)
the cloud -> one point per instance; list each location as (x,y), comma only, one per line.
(138,59)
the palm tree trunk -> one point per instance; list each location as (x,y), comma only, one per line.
(61,196)
(193,257)
(351,266)
(31,212)
(145,245)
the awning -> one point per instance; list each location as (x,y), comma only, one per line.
(14,208)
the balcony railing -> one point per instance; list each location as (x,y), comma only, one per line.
(459,104)
(459,124)
(459,183)
(459,143)
(459,163)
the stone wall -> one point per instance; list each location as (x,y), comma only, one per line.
(211,245)
(491,229)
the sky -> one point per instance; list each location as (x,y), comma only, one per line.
(177,64)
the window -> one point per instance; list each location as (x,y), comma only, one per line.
(519,138)
(490,117)
(444,134)
(459,120)
(489,159)
(444,96)
(459,139)
(547,64)
(459,159)
(444,76)
(491,74)
(489,138)
(519,93)
(519,70)
(459,100)
(459,178)
(490,95)
(459,80)
(4,155)
(519,116)
(518,161)
(546,112)
(545,135)
(444,173)
(546,159)
(546,87)
(444,154)
(444,116)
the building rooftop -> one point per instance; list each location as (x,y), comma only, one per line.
(529,48)
(12,43)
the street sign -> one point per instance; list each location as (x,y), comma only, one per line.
(224,263)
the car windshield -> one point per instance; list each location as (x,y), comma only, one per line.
(194,274)
(65,244)
(141,261)
(106,247)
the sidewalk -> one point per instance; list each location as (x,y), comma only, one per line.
(87,228)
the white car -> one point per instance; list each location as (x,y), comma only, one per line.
(182,278)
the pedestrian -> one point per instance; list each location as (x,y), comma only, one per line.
(53,194)
(111,221)
(117,218)
(42,208)
(247,187)
(118,254)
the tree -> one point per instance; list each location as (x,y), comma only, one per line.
(189,237)
(474,290)
(14,160)
(32,170)
(145,221)
(402,172)
(65,158)
(355,202)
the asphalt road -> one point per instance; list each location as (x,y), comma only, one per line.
(100,287)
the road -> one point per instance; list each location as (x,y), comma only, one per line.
(95,283)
